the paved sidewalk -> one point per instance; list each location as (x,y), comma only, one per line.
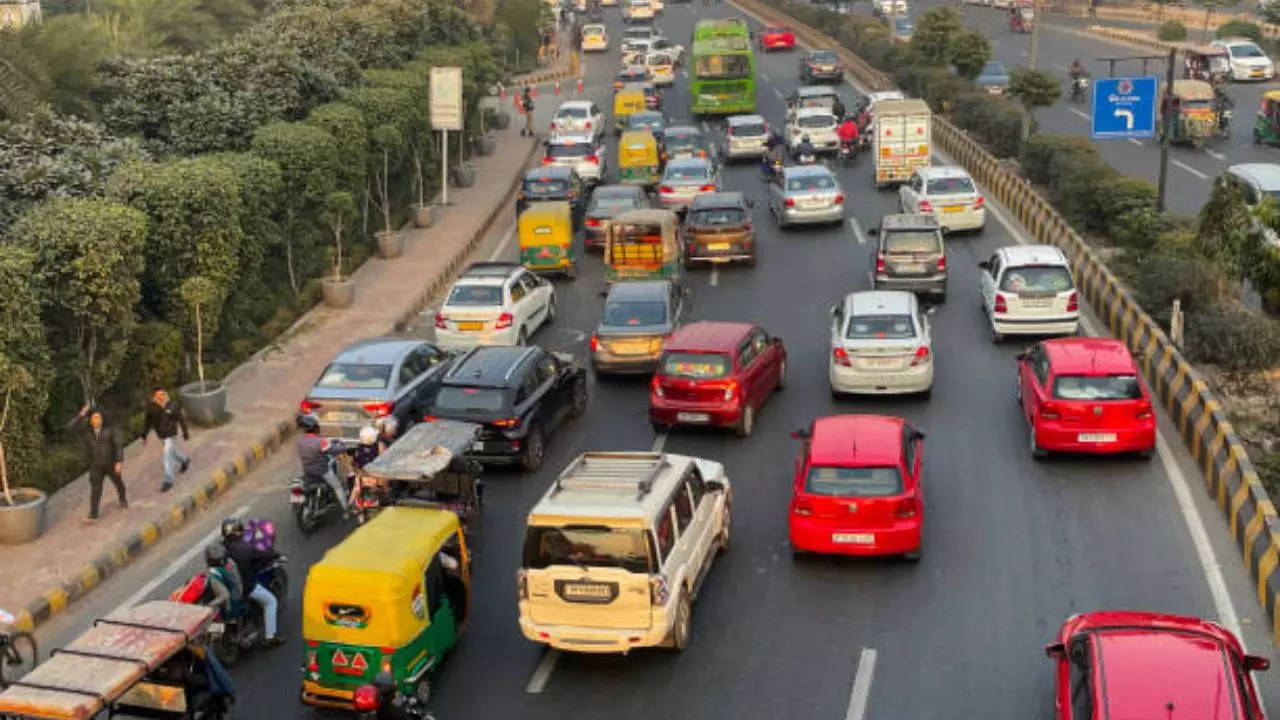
(70,558)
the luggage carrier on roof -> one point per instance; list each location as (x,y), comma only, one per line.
(613,471)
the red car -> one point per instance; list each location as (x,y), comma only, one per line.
(715,373)
(1085,395)
(857,489)
(1152,665)
(777,37)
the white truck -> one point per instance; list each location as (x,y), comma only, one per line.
(900,139)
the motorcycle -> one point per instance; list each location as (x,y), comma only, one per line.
(774,167)
(848,153)
(806,158)
(369,705)
(245,630)
(1078,87)
(312,498)
(1224,123)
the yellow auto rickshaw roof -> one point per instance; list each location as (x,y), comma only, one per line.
(1272,95)
(385,557)
(631,137)
(1193,89)
(549,212)
(666,218)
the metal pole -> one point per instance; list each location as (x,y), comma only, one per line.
(444,167)
(1032,51)
(1166,120)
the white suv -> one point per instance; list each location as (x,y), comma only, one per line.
(577,118)
(494,303)
(1029,290)
(617,549)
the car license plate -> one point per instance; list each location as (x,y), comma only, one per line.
(952,208)
(881,362)
(477,446)
(693,417)
(718,246)
(1096,437)
(217,628)
(587,591)
(1037,303)
(814,204)
(828,68)
(472,326)
(296,499)
(913,268)
(854,538)
(340,417)
(630,348)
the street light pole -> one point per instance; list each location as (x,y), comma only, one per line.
(1032,50)
(1166,125)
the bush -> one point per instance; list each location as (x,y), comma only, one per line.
(1172,31)
(1240,28)
(993,121)
(22,351)
(1122,194)
(1160,276)
(1075,187)
(1141,228)
(58,465)
(1233,338)
(936,85)
(155,358)
(345,123)
(1039,151)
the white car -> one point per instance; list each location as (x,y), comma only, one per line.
(661,68)
(1247,60)
(582,153)
(595,38)
(745,136)
(662,43)
(494,303)
(634,50)
(1029,290)
(578,117)
(636,10)
(818,123)
(880,345)
(947,193)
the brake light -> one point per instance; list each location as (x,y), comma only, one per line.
(509,423)
(593,159)
(1049,411)
(942,264)
(656,386)
(702,153)
(381,409)
(297,490)
(841,357)
(708,188)
(658,592)
(504,321)
(979,202)
(926,206)
(907,507)
(922,354)
(730,389)
(790,202)
(588,124)
(665,189)
(547,160)
(880,267)
(365,698)
(308,406)
(1144,410)
(839,198)
(388,658)
(522,584)
(1001,305)
(595,343)
(429,418)
(440,323)
(801,507)
(1073,302)
(593,222)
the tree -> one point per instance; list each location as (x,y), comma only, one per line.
(387,141)
(339,209)
(13,378)
(1034,89)
(1214,5)
(88,259)
(935,34)
(24,373)
(22,77)
(345,123)
(969,52)
(200,293)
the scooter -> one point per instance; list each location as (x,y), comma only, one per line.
(312,498)
(1078,87)
(774,169)
(848,153)
(245,630)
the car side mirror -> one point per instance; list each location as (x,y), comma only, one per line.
(751,203)
(931,310)
(917,434)
(985,264)
(1024,354)
(835,311)
(1057,651)
(801,434)
(1257,663)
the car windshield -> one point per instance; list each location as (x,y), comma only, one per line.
(775,29)
(699,366)
(823,56)
(586,546)
(811,183)
(614,202)
(645,120)
(1097,387)
(470,399)
(690,172)
(722,66)
(817,101)
(880,327)
(572,112)
(865,482)
(672,141)
(751,128)
(659,59)
(631,313)
(903,25)
(638,34)
(475,295)
(912,241)
(1246,50)
(1036,279)
(994,68)
(950,185)
(593,30)
(817,121)
(718,216)
(545,186)
(350,376)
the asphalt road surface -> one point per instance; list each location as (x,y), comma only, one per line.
(1012,546)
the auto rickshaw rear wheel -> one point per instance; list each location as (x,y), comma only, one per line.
(422,691)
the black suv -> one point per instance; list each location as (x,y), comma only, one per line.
(519,394)
(553,182)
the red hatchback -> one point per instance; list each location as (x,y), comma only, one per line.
(857,487)
(1152,665)
(777,37)
(716,373)
(1085,395)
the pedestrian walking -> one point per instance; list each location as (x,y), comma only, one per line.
(104,455)
(526,105)
(165,417)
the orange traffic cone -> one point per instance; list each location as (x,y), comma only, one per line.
(557,88)
(579,83)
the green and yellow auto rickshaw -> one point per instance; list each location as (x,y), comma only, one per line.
(393,597)
(638,158)
(546,238)
(1195,115)
(642,245)
(1266,129)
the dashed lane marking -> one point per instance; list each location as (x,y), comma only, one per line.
(777,93)
(861,689)
(542,673)
(1060,66)
(715,275)
(659,442)
(1081,114)
(1190,169)
(1215,154)
(1135,141)
(502,246)
(857,231)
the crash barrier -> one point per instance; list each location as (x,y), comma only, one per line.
(1130,37)
(1226,471)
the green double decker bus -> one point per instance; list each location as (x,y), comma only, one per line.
(724,68)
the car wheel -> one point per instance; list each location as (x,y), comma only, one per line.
(995,337)
(579,398)
(914,555)
(782,375)
(1148,453)
(748,421)
(422,691)
(683,626)
(534,449)
(726,527)
(1037,452)
(551,307)
(660,428)
(522,338)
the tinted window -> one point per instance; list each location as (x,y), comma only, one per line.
(546,186)
(561,151)
(470,399)
(433,581)
(817,121)
(1097,387)
(600,546)
(692,172)
(699,366)
(878,327)
(913,241)
(748,129)
(615,202)
(946,186)
(866,482)
(811,182)
(356,377)
(475,295)
(722,66)
(823,56)
(517,292)
(630,313)
(571,112)
(684,507)
(718,216)
(1080,675)
(413,366)
(1036,279)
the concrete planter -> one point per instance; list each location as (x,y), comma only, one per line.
(424,216)
(486,145)
(205,403)
(390,244)
(464,176)
(502,120)
(23,521)
(338,293)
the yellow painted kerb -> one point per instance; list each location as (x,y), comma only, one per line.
(89,577)
(57,599)
(1266,566)
(1237,502)
(150,533)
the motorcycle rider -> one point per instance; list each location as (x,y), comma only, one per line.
(363,454)
(250,561)
(848,134)
(1076,72)
(1224,106)
(394,705)
(837,108)
(221,579)
(775,149)
(805,149)
(313,454)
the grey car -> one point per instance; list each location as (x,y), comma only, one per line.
(684,179)
(994,78)
(637,317)
(745,136)
(373,379)
(909,254)
(821,64)
(607,201)
(806,194)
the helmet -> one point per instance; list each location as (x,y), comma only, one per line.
(308,424)
(215,555)
(368,435)
(804,138)
(232,528)
(389,425)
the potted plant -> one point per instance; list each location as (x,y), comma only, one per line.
(339,291)
(486,144)
(205,402)
(422,214)
(21,508)
(386,139)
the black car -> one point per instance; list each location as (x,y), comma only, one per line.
(520,395)
(551,182)
(820,65)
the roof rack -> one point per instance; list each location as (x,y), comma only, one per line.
(612,471)
(491,268)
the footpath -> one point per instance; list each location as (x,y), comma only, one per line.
(71,558)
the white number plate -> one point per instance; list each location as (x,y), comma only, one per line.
(880,362)
(477,446)
(340,417)
(693,417)
(855,538)
(911,267)
(1038,303)
(296,499)
(1096,437)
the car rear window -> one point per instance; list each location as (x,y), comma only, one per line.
(587,545)
(880,327)
(475,295)
(614,202)
(470,399)
(867,482)
(817,121)
(1097,387)
(811,182)
(748,129)
(718,216)
(545,187)
(823,56)
(1036,279)
(593,30)
(912,241)
(561,151)
(574,112)
(634,313)
(774,29)
(351,376)
(638,34)
(686,173)
(950,185)
(698,366)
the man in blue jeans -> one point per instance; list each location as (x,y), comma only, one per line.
(164,416)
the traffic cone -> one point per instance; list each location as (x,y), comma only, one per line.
(556,90)
(579,87)
(502,94)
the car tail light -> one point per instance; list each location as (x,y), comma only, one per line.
(1001,305)
(907,507)
(593,159)
(926,206)
(841,357)
(595,343)
(381,409)
(593,222)
(880,266)
(504,321)
(588,124)
(1073,302)
(922,354)
(656,386)
(708,188)
(547,160)
(1049,411)
(942,264)
(297,490)
(508,423)
(730,390)
(801,506)
(1144,410)
(522,584)
(365,698)
(388,659)
(308,406)
(666,189)
(429,418)
(979,202)
(658,592)
(440,323)
(702,153)
(790,202)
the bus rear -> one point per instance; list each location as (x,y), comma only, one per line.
(723,80)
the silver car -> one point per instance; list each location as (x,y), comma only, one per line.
(880,345)
(806,194)
(637,317)
(578,153)
(684,179)
(745,136)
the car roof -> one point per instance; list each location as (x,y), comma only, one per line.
(708,336)
(673,130)
(643,290)
(813,111)
(608,492)
(488,366)
(869,302)
(555,172)
(816,91)
(376,351)
(1265,175)
(593,26)
(1236,40)
(745,119)
(943,171)
(494,269)
(1089,356)
(909,221)
(1143,668)
(806,170)
(576,104)
(728,199)
(1019,255)
(856,440)
(602,190)
(823,50)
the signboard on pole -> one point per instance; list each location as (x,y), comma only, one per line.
(446,98)
(1124,108)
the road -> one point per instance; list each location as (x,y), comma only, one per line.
(1012,546)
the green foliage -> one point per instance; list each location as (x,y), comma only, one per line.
(339,207)
(969,51)
(23,79)
(1034,88)
(204,298)
(345,123)
(936,85)
(936,34)
(1141,227)
(385,106)
(1172,31)
(1123,195)
(261,187)
(993,121)
(1240,28)
(1039,151)
(1226,229)
(1233,338)
(22,343)
(154,359)
(1163,274)
(519,20)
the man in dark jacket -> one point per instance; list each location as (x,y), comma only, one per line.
(165,417)
(103,454)
(250,561)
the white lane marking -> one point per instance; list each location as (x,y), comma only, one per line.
(178,564)
(1190,169)
(659,442)
(1081,114)
(861,685)
(857,231)
(766,77)
(1215,154)
(502,246)
(1135,141)
(776,91)
(715,275)
(542,673)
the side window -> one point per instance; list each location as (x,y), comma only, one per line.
(995,267)
(1250,194)
(433,584)
(908,447)
(759,341)
(666,534)
(683,506)
(528,385)
(529,282)
(697,489)
(1040,365)
(1080,679)
(432,356)
(517,292)
(413,366)
(746,353)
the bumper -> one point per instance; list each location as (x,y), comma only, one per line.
(825,75)
(800,216)
(678,203)
(317,695)
(779,45)
(927,285)
(605,362)
(744,150)
(497,451)
(1036,326)
(665,80)
(817,535)
(688,412)
(458,339)
(869,382)
(595,47)
(1067,439)
(1251,73)
(961,220)
(595,640)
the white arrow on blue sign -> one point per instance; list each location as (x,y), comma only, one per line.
(1124,108)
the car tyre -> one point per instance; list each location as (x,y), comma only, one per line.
(727,529)
(422,691)
(535,448)
(660,428)
(579,405)
(522,338)
(913,556)
(1037,452)
(995,337)
(782,375)
(747,422)
(683,626)
(551,308)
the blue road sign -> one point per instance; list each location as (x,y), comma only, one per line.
(1124,108)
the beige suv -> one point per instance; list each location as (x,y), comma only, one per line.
(617,549)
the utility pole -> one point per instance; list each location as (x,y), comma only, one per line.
(1166,124)
(1033,46)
